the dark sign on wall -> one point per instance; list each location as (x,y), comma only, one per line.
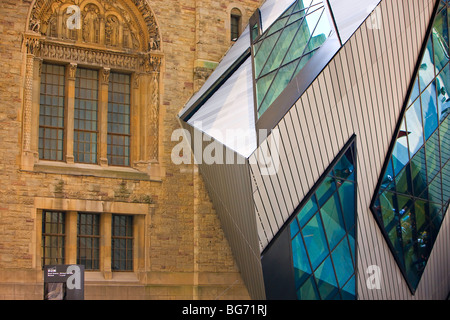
(64,282)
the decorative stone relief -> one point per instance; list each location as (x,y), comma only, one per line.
(114,19)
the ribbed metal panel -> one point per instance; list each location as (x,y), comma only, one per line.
(230,189)
(361,91)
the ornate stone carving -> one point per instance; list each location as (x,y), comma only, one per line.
(72,71)
(112,30)
(105,75)
(150,63)
(91,24)
(33,43)
(46,14)
(62,52)
(154,117)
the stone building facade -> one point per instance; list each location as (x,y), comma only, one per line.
(90,90)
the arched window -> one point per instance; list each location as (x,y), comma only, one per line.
(92,76)
(235,23)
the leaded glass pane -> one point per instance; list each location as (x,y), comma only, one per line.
(119,123)
(53,237)
(122,243)
(88,237)
(85,116)
(51,112)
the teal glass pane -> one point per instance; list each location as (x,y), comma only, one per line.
(419,173)
(316,244)
(415,128)
(343,263)
(352,242)
(280,82)
(308,291)
(326,223)
(286,47)
(444,136)
(403,181)
(333,220)
(294,228)
(263,85)
(326,280)
(429,110)
(443,87)
(415,93)
(426,70)
(277,55)
(347,198)
(441,39)
(388,208)
(348,292)
(345,167)
(302,269)
(308,211)
(433,156)
(322,30)
(388,176)
(265,48)
(400,155)
(446,182)
(325,190)
(434,193)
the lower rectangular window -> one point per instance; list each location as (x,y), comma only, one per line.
(122,243)
(88,241)
(53,238)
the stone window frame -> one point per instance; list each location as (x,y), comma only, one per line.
(71,207)
(232,9)
(145,68)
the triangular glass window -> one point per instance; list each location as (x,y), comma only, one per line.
(285,48)
(411,201)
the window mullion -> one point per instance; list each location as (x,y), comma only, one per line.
(70,107)
(103,117)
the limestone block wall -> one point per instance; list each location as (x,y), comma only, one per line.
(182,251)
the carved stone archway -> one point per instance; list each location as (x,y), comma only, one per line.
(120,35)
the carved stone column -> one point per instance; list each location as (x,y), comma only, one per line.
(32,43)
(154,118)
(70,111)
(103,117)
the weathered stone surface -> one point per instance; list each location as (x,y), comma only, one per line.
(185,253)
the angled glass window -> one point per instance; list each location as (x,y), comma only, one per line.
(323,235)
(411,201)
(285,48)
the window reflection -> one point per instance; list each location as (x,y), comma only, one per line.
(412,198)
(284,49)
(323,236)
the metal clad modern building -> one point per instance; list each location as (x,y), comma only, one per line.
(310,107)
